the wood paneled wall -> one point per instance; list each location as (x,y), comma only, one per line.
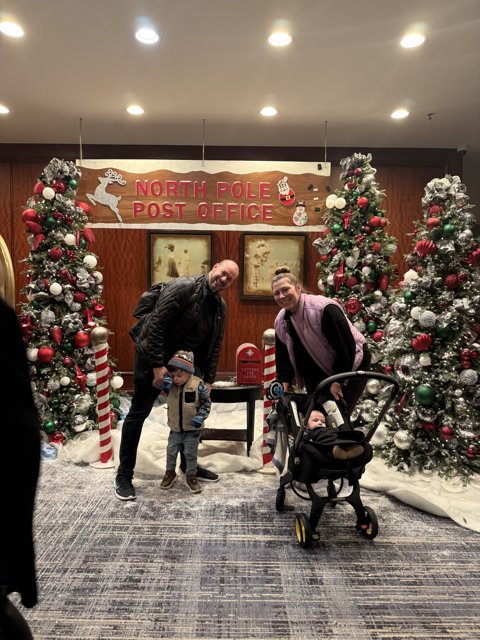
(122,253)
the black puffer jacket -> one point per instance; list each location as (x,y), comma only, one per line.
(178,308)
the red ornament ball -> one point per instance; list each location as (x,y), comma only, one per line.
(367,229)
(377,336)
(58,186)
(357,171)
(29,215)
(388,369)
(79,296)
(351,184)
(38,188)
(446,432)
(375,221)
(81,339)
(67,361)
(451,281)
(84,206)
(471,452)
(45,354)
(55,253)
(376,247)
(428,426)
(362,202)
(435,209)
(433,222)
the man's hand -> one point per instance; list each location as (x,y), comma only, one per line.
(158,374)
(336,390)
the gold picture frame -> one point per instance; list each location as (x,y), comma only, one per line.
(7,277)
(178,254)
(262,253)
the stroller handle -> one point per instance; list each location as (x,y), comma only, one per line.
(366,374)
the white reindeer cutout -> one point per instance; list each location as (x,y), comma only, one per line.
(102,197)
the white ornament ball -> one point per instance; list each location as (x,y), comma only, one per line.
(366,271)
(98,276)
(330,280)
(90,261)
(64,381)
(424,360)
(410,276)
(377,295)
(320,285)
(379,438)
(468,377)
(56,289)
(360,325)
(32,354)
(416,312)
(116,382)
(340,203)
(427,319)
(403,439)
(48,193)
(330,201)
(69,239)
(373,387)
(91,379)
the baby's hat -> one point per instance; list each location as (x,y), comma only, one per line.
(182,360)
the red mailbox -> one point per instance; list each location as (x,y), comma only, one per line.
(249,364)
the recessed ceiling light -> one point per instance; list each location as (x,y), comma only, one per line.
(135,110)
(4,109)
(279,39)
(412,40)
(147,36)
(399,114)
(11,29)
(268,112)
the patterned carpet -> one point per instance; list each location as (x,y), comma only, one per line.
(224,564)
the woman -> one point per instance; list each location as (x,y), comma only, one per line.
(315,340)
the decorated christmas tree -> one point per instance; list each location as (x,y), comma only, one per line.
(63,306)
(432,343)
(355,251)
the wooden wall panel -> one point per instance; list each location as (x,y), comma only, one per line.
(122,253)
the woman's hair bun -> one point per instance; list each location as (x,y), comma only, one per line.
(280,270)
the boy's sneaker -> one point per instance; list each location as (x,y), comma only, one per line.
(124,488)
(206,475)
(168,479)
(193,484)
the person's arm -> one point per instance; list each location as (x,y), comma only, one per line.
(337,331)
(284,368)
(205,406)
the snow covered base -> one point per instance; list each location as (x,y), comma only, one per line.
(445,498)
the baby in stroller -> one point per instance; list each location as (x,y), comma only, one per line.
(315,445)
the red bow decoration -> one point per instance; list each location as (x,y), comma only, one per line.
(346,218)
(401,404)
(80,378)
(421,342)
(339,277)
(425,248)
(88,235)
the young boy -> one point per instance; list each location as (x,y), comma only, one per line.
(324,434)
(188,404)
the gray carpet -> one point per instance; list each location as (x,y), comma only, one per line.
(224,564)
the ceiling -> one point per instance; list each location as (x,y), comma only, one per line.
(212,71)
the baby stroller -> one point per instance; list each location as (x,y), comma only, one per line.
(308,461)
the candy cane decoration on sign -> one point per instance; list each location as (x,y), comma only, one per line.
(269,374)
(100,347)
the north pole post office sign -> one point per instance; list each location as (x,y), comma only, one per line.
(213,194)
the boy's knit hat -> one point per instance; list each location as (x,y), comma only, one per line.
(182,360)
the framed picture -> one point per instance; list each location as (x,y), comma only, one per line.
(262,253)
(178,254)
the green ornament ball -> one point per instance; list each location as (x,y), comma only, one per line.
(49,426)
(73,183)
(444,331)
(424,395)
(371,326)
(50,221)
(355,195)
(336,228)
(67,346)
(54,403)
(408,296)
(83,243)
(448,230)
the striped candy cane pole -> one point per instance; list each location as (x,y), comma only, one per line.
(99,339)
(269,374)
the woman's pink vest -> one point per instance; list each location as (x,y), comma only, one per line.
(307,321)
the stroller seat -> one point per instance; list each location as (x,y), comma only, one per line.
(305,458)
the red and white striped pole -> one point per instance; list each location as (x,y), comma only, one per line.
(99,337)
(269,375)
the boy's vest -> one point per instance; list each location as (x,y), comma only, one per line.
(183,404)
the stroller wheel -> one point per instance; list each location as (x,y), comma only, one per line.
(303,530)
(369,527)
(280,501)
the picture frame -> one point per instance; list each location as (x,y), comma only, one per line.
(262,253)
(177,254)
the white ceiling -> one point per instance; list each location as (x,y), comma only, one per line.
(344,66)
